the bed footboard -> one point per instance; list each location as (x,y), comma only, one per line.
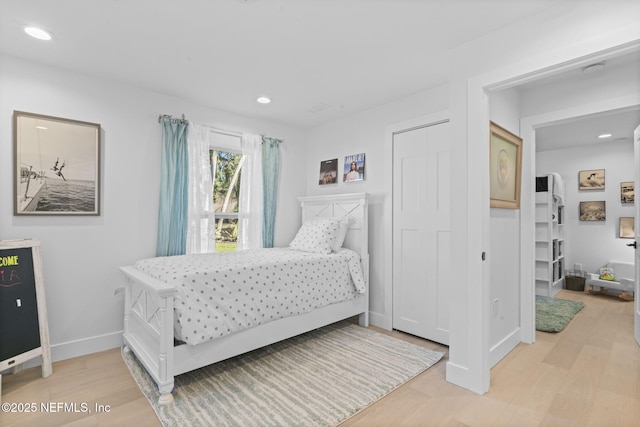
(148,327)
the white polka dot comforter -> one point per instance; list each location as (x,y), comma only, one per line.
(222,293)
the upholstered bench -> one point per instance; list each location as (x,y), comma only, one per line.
(623,272)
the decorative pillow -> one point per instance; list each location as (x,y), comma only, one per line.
(317,235)
(606,273)
(344,222)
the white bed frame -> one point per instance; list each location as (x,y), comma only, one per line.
(148,312)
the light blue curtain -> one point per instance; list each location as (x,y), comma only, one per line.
(174,181)
(270,175)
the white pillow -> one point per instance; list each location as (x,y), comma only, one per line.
(344,222)
(317,235)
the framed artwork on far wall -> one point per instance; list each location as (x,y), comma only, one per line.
(56,165)
(593,211)
(627,229)
(505,168)
(353,168)
(328,172)
(592,179)
(627,192)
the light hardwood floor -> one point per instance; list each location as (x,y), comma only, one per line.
(586,375)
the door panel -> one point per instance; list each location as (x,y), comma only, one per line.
(421,235)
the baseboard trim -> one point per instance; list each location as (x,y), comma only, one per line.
(380,320)
(504,347)
(462,376)
(77,348)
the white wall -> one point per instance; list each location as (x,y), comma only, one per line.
(365,133)
(504,249)
(81,254)
(593,243)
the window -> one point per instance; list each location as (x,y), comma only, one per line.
(226,168)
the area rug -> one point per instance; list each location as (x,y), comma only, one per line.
(319,378)
(554,314)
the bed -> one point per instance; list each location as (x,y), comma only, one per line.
(156,313)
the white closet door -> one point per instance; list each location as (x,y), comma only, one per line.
(421,232)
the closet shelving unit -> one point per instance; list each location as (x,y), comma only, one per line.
(550,243)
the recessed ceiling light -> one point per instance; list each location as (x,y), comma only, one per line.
(263,100)
(604,135)
(38,33)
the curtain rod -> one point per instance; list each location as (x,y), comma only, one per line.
(213,128)
(236,133)
(280,141)
(170,117)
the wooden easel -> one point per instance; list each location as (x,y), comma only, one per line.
(20,276)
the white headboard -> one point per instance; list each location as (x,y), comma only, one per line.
(354,205)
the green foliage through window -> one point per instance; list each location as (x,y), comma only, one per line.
(227,171)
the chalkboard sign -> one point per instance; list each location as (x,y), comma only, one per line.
(24,333)
(19,327)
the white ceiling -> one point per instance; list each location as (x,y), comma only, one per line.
(317,59)
(586,129)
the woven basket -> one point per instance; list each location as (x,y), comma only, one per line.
(574,280)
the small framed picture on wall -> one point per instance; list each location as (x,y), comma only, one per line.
(592,179)
(627,229)
(328,172)
(627,192)
(593,211)
(353,168)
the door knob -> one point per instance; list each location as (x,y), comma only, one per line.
(634,244)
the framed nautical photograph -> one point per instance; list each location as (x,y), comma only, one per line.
(593,211)
(627,193)
(592,179)
(353,168)
(328,172)
(627,228)
(56,165)
(505,168)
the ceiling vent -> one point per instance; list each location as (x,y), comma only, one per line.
(594,68)
(318,108)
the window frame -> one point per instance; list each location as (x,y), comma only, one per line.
(222,215)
